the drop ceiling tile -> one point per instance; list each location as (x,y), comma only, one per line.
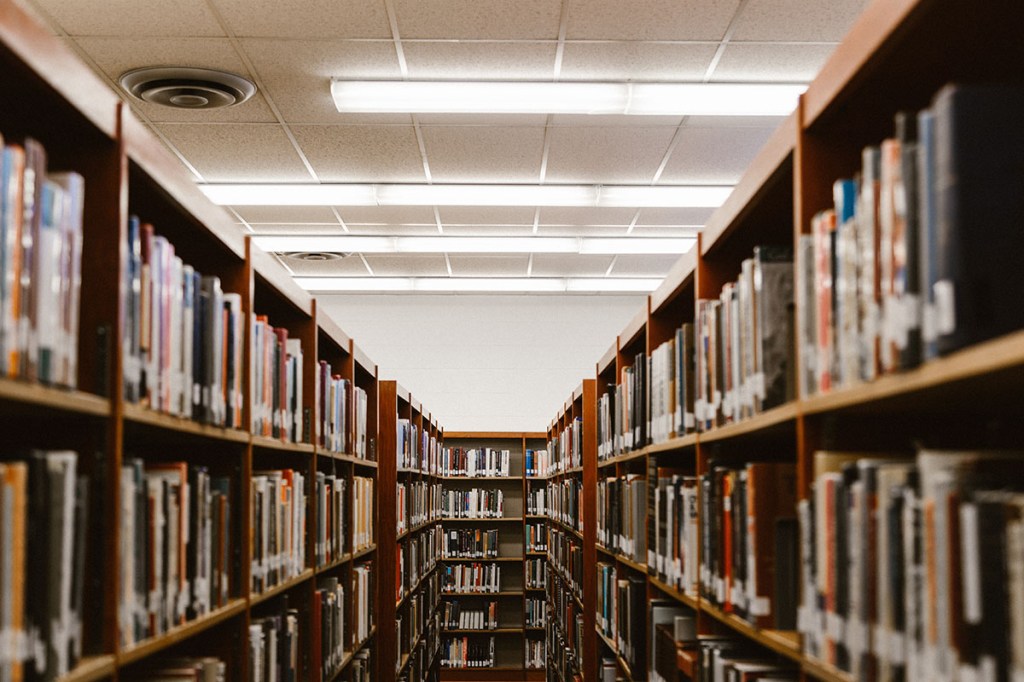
(236,152)
(613,121)
(606,155)
(304,19)
(305,229)
(287,214)
(771,63)
(479,60)
(297,75)
(489,265)
(586,216)
(799,20)
(115,56)
(643,266)
(570,265)
(477,120)
(421,265)
(580,231)
(368,215)
(484,154)
(770,122)
(488,230)
(135,18)
(664,231)
(486,215)
(636,61)
(379,230)
(650,19)
(713,155)
(674,216)
(349,266)
(479,19)
(362,153)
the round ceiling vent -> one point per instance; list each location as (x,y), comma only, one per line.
(314,256)
(187,88)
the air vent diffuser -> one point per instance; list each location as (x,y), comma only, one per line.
(187,88)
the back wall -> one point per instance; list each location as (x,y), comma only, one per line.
(481,362)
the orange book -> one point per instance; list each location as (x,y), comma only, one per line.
(14,216)
(14,477)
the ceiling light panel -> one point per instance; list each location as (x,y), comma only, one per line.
(550,285)
(449,244)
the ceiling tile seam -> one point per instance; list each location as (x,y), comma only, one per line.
(423,148)
(241,220)
(633,222)
(341,221)
(611,266)
(542,176)
(448,264)
(403,67)
(536,220)
(529,266)
(366,265)
(563,28)
(673,143)
(437,220)
(236,45)
(730,29)
(284,264)
(69,40)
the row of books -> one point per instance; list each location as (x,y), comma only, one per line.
(535,654)
(622,516)
(471,543)
(565,502)
(536,501)
(40,266)
(276,383)
(912,566)
(674,521)
(536,537)
(417,558)
(408,445)
(673,366)
(331,516)
(182,345)
(191,669)
(176,546)
(566,448)
(749,541)
(484,462)
(564,632)
(44,517)
(565,555)
(454,617)
(623,412)
(470,651)
(278,513)
(274,648)
(417,502)
(535,611)
(419,617)
(330,638)
(536,574)
(893,273)
(744,341)
(475,503)
(732,658)
(362,512)
(673,630)
(342,414)
(622,613)
(476,577)
(536,462)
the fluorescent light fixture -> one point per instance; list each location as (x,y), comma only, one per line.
(548,97)
(600,196)
(439,244)
(522,285)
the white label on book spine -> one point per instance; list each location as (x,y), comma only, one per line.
(802,620)
(760,606)
(968,673)
(970,563)
(897,648)
(834,627)
(945,306)
(879,641)
(1017,675)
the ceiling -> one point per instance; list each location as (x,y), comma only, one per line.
(290,131)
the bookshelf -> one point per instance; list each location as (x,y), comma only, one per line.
(512,637)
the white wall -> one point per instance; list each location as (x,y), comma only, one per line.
(485,363)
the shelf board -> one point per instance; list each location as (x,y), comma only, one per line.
(180,633)
(482,594)
(624,457)
(146,417)
(345,558)
(681,597)
(535,516)
(499,631)
(482,561)
(608,643)
(412,590)
(782,642)
(91,668)
(272,592)
(272,444)
(979,363)
(479,478)
(502,519)
(605,550)
(350,656)
(823,671)
(682,442)
(343,457)
(776,416)
(632,564)
(363,552)
(50,398)
(532,628)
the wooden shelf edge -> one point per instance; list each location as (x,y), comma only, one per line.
(636,566)
(180,633)
(785,644)
(506,593)
(272,444)
(146,417)
(272,592)
(681,597)
(823,671)
(91,668)
(363,552)
(503,519)
(333,565)
(773,417)
(499,631)
(67,400)
(687,441)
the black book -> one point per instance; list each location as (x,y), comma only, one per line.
(787,573)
